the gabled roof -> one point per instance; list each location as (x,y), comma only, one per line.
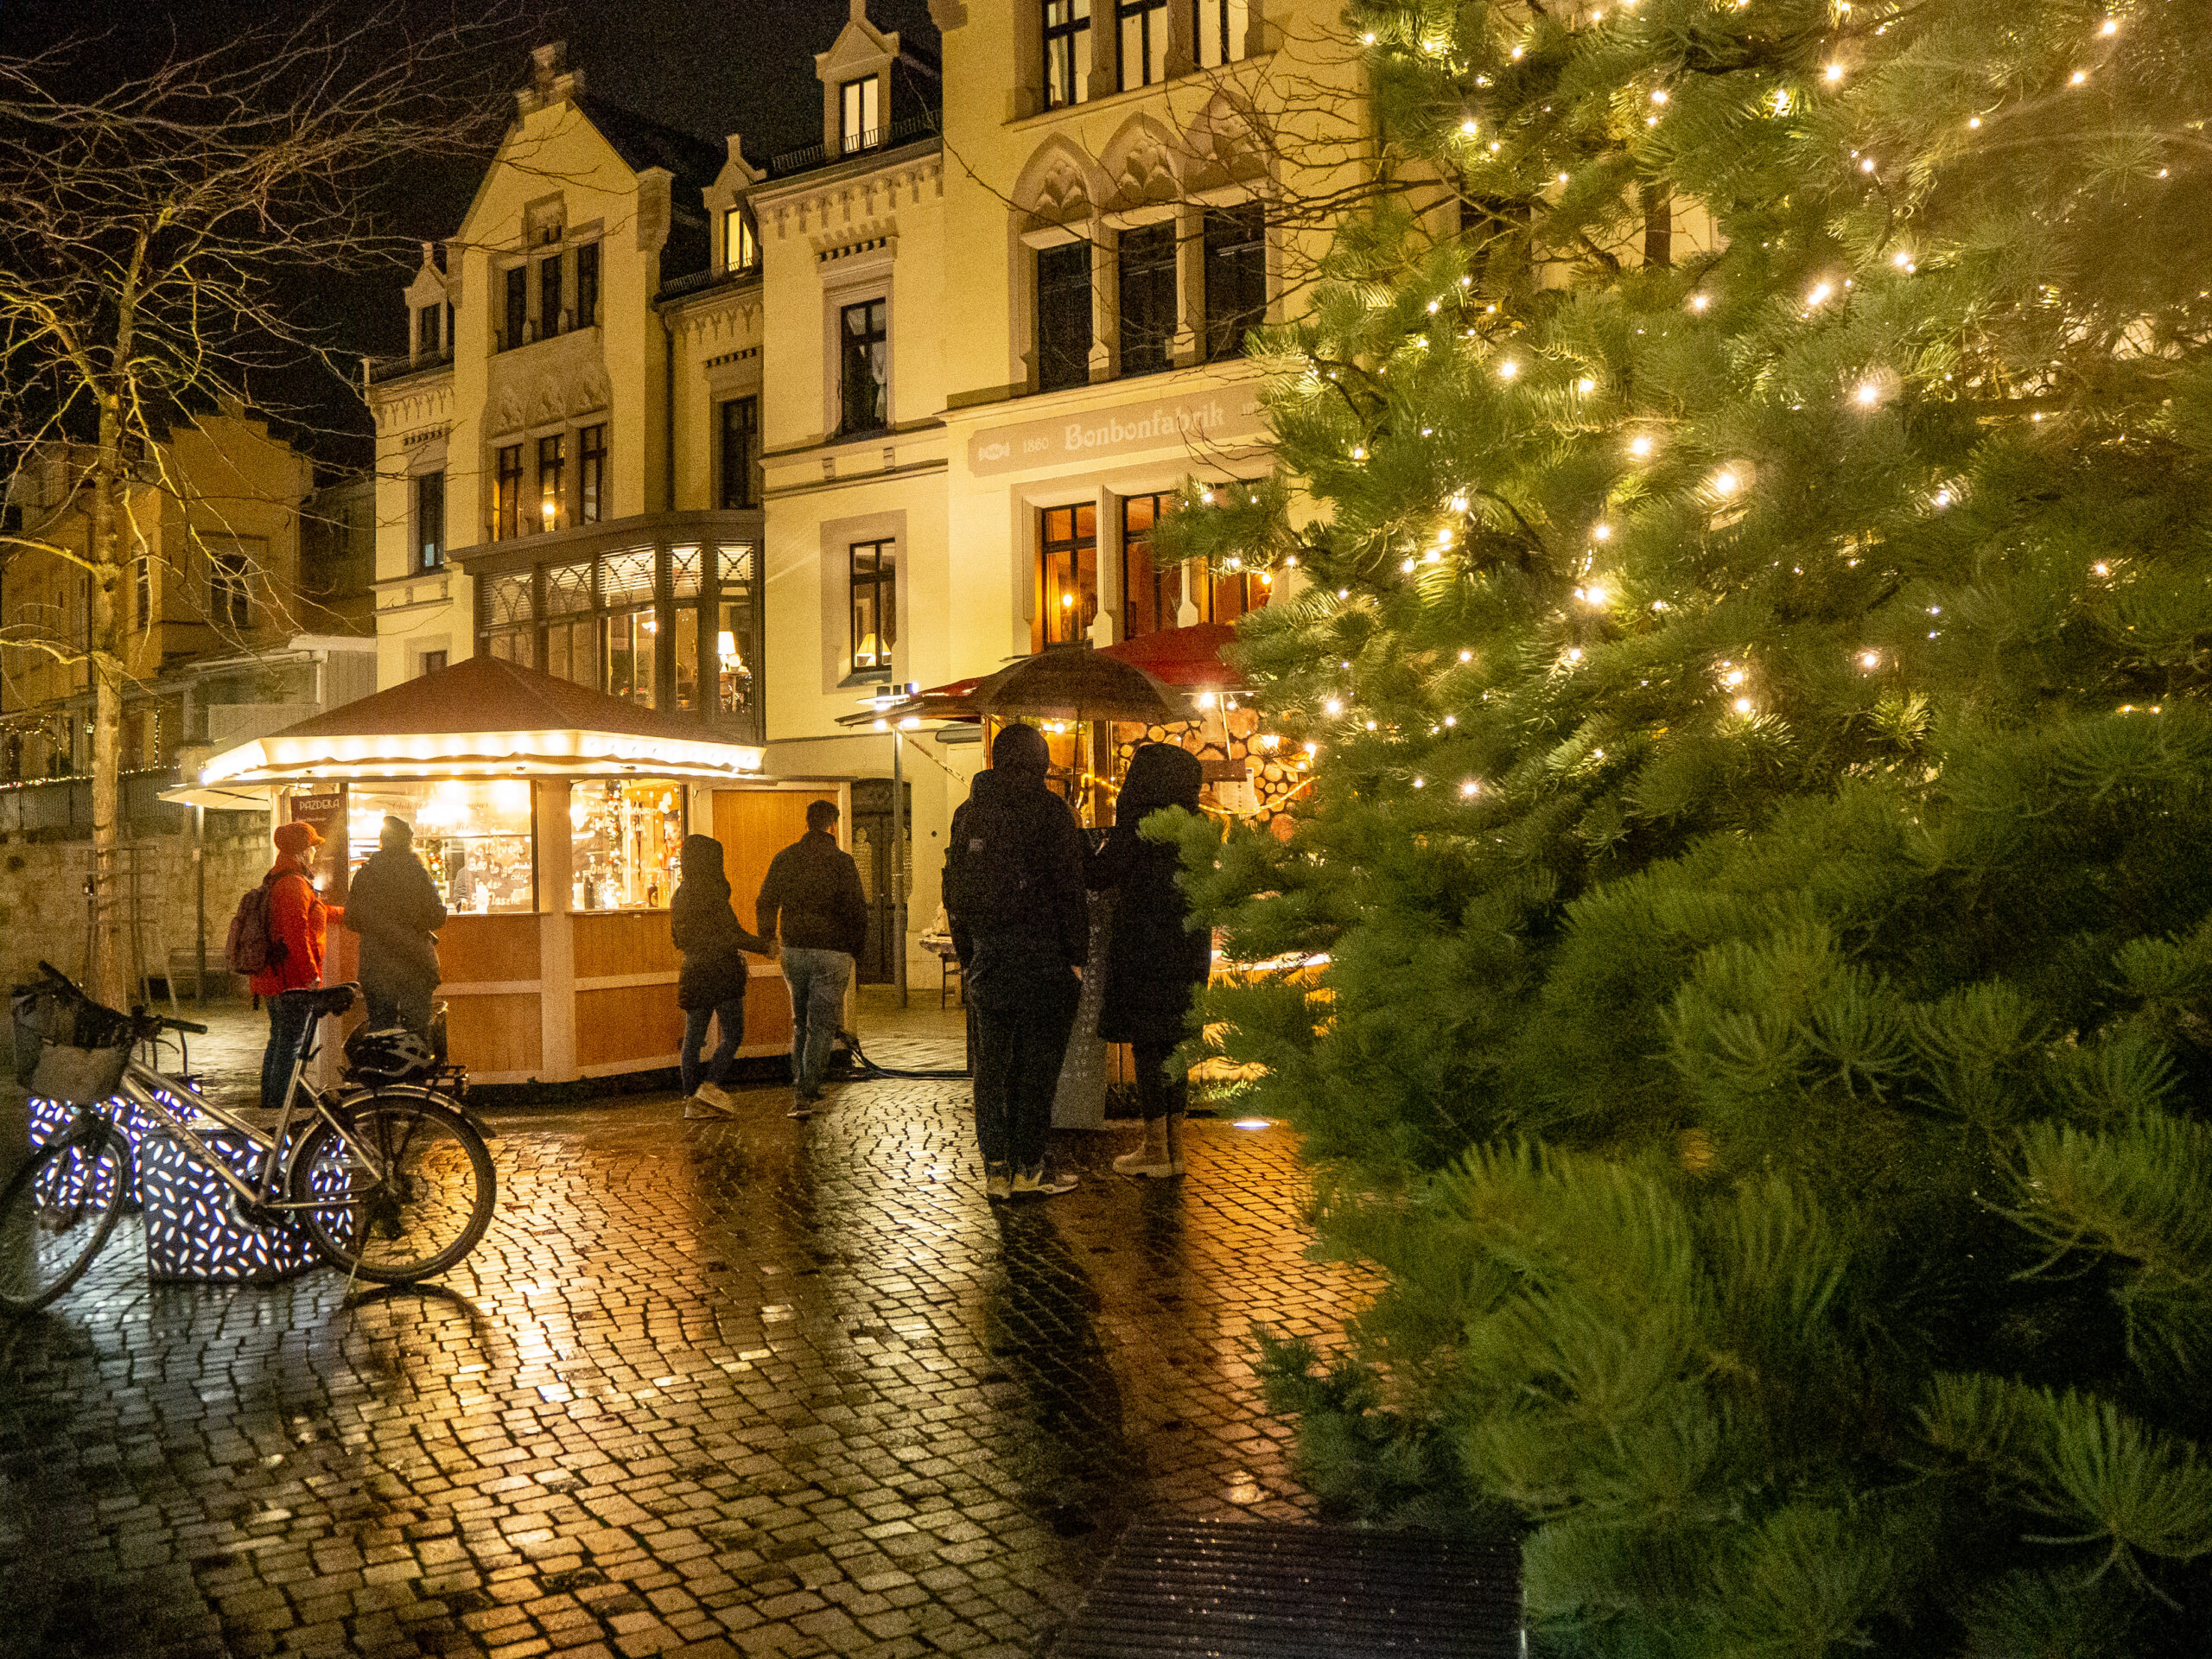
(483,716)
(642,142)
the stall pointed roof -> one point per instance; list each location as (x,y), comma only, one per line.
(485,694)
(484,717)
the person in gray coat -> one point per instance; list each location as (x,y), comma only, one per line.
(394,905)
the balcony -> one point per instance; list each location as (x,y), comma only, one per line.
(815,156)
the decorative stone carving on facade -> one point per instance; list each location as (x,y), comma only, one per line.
(831,209)
(1145,162)
(1061,185)
(426,401)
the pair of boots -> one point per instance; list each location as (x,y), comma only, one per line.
(1161,1151)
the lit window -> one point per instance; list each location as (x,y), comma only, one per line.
(1067,52)
(1067,574)
(875,581)
(865,354)
(1143,41)
(858,127)
(506,496)
(1219,29)
(552,478)
(740,248)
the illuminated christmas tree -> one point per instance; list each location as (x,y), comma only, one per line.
(1757,527)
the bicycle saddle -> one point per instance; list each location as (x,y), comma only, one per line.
(321,999)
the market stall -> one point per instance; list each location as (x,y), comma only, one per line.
(550,817)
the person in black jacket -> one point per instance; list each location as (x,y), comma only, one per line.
(394,905)
(812,896)
(1021,929)
(711,983)
(1154,961)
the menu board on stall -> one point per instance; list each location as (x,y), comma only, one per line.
(326,812)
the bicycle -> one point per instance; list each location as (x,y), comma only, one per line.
(390,1181)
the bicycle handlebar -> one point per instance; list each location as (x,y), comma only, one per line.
(151,1021)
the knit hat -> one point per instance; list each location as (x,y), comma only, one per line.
(395,832)
(295,838)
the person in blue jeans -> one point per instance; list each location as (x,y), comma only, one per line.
(812,900)
(710,987)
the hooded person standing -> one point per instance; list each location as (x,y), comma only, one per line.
(1021,929)
(297,921)
(710,986)
(812,898)
(394,905)
(1154,961)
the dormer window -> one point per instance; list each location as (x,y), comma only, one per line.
(858,126)
(741,246)
(427,329)
(1067,52)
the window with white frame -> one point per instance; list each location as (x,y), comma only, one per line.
(1067,52)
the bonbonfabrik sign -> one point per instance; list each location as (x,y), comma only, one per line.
(1201,419)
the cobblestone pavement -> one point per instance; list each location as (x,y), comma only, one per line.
(755,1386)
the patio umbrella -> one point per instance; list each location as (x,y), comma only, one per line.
(1075,682)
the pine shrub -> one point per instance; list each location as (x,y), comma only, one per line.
(1756,685)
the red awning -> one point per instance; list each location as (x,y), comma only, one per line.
(1189,656)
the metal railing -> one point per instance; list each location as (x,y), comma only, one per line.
(815,156)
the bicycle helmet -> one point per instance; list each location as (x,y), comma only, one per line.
(391,1055)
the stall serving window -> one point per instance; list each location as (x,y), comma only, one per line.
(475,839)
(675,628)
(625,835)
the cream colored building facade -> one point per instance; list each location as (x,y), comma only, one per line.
(897,409)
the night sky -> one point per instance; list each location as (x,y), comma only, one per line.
(709,66)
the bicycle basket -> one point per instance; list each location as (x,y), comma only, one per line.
(391,1055)
(69,1047)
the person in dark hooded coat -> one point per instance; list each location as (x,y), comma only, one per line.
(710,985)
(1021,929)
(394,905)
(1155,962)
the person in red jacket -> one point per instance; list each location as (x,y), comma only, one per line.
(297,920)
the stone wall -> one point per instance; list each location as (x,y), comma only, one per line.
(42,907)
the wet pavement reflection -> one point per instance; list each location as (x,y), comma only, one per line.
(748,1386)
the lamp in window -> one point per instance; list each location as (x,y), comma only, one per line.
(725,649)
(870,654)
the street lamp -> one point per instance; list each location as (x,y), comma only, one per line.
(883,700)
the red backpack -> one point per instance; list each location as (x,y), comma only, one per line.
(254,947)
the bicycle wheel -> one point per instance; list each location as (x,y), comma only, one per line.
(406,1192)
(58,1212)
